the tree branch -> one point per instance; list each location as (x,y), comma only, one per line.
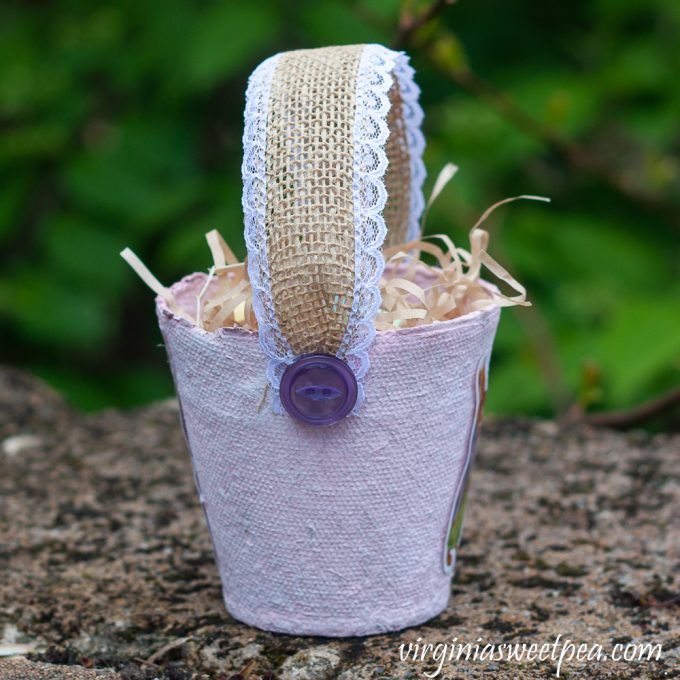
(632,416)
(409,24)
(575,155)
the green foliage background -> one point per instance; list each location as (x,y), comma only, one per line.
(120,124)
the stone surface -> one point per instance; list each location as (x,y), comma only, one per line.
(107,572)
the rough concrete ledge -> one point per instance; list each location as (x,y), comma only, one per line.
(107,569)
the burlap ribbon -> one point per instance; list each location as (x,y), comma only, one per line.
(316,165)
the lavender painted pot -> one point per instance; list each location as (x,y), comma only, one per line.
(339,530)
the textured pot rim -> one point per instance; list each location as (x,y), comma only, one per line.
(237,331)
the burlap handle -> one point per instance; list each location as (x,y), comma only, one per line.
(332,170)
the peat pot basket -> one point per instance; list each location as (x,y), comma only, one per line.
(331,460)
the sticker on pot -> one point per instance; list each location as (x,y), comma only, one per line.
(454,532)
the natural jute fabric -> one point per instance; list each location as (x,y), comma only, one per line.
(310,210)
(398,173)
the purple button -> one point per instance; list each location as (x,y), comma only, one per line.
(318,389)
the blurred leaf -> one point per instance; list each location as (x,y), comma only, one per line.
(223,37)
(517,387)
(636,70)
(141,384)
(185,250)
(448,53)
(335,22)
(641,341)
(566,102)
(471,128)
(83,392)
(12,197)
(21,144)
(562,249)
(142,177)
(62,315)
(87,255)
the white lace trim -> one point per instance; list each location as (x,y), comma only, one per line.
(415,140)
(377,67)
(254,200)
